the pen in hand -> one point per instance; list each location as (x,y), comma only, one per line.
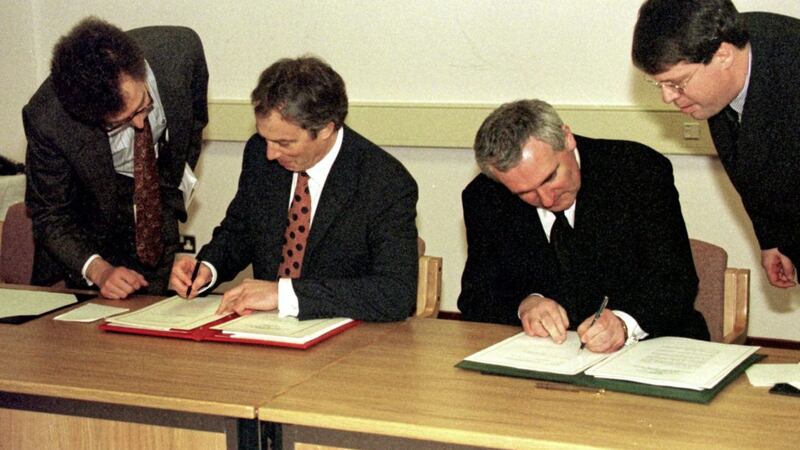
(596,316)
(194,277)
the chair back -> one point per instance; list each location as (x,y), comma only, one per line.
(429,283)
(723,292)
(16,246)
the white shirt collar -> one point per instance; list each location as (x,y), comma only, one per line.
(738,103)
(547,217)
(318,173)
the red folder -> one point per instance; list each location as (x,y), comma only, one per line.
(205,333)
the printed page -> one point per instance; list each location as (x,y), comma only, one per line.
(90,312)
(269,326)
(174,313)
(539,354)
(17,302)
(674,361)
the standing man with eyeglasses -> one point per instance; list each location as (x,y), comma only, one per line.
(741,72)
(113,134)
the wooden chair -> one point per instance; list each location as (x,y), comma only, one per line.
(16,246)
(724,293)
(429,286)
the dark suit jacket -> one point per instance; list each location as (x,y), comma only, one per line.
(71,190)
(630,238)
(361,257)
(764,164)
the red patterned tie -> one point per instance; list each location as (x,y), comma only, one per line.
(146,198)
(297,228)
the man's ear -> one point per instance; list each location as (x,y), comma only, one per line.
(726,55)
(326,131)
(569,138)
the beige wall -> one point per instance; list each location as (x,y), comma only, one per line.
(569,52)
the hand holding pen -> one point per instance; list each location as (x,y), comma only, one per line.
(597,314)
(186,273)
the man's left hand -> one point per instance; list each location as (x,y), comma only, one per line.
(251,295)
(606,335)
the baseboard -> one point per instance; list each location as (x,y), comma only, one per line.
(774,343)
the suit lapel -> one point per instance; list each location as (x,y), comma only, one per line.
(339,188)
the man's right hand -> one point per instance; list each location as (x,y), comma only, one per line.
(778,267)
(543,317)
(181,276)
(114,282)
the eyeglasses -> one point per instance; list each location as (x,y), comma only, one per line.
(677,87)
(115,126)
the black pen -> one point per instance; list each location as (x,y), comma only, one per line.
(194,276)
(596,316)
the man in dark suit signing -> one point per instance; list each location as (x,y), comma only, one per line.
(556,222)
(348,247)
(113,135)
(741,72)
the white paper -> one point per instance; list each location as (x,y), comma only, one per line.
(18,302)
(268,326)
(766,375)
(90,312)
(174,313)
(674,361)
(539,354)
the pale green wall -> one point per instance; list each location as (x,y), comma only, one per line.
(569,52)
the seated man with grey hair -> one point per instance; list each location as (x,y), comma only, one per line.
(556,222)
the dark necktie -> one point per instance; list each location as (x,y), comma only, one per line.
(562,239)
(298,226)
(146,198)
(733,122)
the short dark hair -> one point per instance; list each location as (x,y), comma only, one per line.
(671,31)
(501,137)
(306,91)
(86,69)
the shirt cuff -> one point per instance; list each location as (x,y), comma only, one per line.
(86,267)
(288,304)
(213,277)
(635,332)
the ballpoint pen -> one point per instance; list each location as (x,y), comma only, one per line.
(194,277)
(596,316)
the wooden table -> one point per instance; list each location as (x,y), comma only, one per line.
(70,385)
(402,391)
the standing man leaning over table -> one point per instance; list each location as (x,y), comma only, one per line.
(113,134)
(556,221)
(741,72)
(348,247)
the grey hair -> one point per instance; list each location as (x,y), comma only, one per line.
(503,134)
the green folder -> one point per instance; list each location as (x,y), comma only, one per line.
(688,395)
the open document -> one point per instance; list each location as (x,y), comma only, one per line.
(195,319)
(173,313)
(668,367)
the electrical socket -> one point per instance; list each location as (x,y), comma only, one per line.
(187,244)
(691,131)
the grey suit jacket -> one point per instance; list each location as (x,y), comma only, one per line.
(361,257)
(71,191)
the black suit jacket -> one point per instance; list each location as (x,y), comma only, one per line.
(764,163)
(361,257)
(632,245)
(71,190)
